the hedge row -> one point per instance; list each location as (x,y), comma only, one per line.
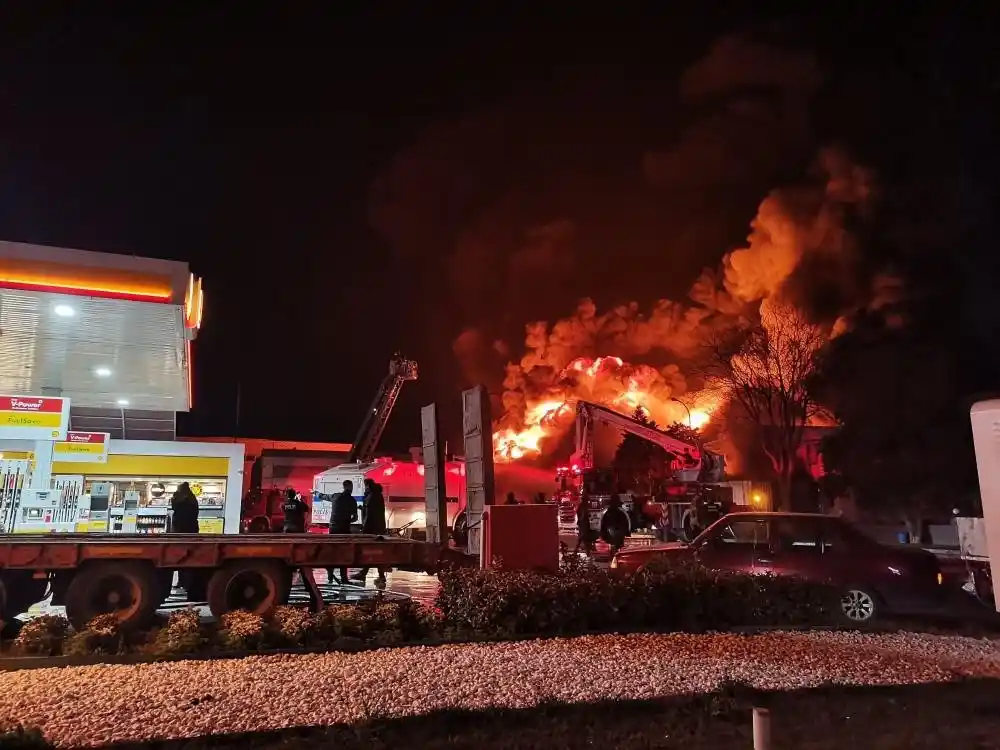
(470,604)
(668,597)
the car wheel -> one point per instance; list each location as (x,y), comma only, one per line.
(858,606)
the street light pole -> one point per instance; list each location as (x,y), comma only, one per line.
(674,398)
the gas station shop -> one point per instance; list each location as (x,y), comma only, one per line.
(95,364)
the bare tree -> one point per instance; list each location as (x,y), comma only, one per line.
(764,369)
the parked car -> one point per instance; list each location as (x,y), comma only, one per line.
(873,577)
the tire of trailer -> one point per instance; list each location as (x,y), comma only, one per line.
(19,589)
(129,590)
(256,586)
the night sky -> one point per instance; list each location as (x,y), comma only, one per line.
(379,177)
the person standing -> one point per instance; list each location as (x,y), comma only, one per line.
(185,510)
(615,525)
(184,520)
(342,515)
(372,521)
(295,511)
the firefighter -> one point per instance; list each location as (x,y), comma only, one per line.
(185,510)
(295,512)
(372,522)
(511,499)
(342,515)
(615,525)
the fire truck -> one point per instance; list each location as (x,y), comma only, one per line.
(262,507)
(690,498)
(402,485)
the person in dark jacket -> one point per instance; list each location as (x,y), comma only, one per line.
(343,513)
(372,520)
(615,525)
(295,511)
(584,534)
(185,507)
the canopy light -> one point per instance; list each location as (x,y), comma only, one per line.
(102,372)
(123,402)
(64,311)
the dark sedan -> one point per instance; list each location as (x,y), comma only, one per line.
(873,577)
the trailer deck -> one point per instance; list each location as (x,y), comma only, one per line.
(131,576)
(178,551)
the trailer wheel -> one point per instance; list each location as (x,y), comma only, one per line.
(128,590)
(256,586)
(18,591)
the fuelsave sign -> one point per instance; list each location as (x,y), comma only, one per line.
(82,447)
(33,418)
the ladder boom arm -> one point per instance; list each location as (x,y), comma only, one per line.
(690,459)
(377,416)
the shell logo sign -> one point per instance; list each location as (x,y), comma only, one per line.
(82,447)
(194,303)
(33,418)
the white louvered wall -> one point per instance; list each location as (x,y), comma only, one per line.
(142,343)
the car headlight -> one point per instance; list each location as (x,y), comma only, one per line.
(614,562)
(940,578)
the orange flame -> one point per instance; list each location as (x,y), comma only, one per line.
(605,380)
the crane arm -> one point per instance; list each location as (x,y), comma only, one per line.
(690,462)
(377,416)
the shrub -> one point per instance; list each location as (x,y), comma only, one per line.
(325,629)
(241,631)
(500,602)
(291,626)
(42,636)
(26,738)
(101,636)
(182,635)
(580,598)
(353,621)
(418,621)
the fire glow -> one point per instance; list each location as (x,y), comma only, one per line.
(605,380)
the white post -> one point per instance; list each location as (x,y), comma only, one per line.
(986,439)
(761,729)
(41,476)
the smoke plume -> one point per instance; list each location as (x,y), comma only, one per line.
(800,249)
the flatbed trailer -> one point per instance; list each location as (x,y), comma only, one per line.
(131,576)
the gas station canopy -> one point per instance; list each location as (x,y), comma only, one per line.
(110,332)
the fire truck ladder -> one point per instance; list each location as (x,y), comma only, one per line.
(400,370)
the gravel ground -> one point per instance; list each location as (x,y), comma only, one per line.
(96,705)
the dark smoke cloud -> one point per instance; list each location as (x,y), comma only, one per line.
(755,99)
(541,201)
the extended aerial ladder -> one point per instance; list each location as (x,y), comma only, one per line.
(690,463)
(377,416)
